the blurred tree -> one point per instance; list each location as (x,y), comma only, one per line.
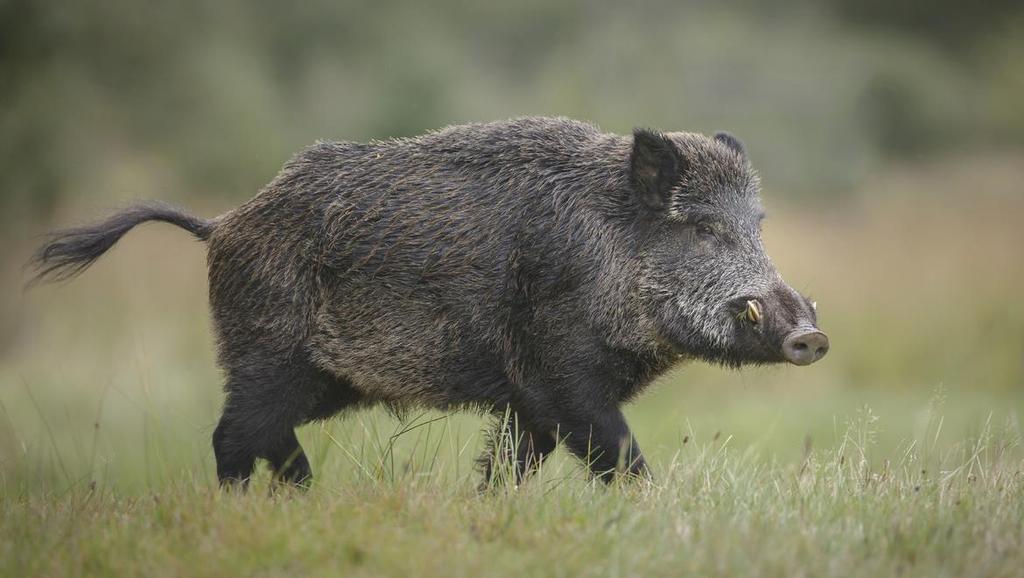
(118,98)
(29,186)
(950,24)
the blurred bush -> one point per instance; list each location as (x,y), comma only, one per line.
(112,99)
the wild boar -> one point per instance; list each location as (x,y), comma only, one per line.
(537,267)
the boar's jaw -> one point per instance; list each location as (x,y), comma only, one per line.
(707,338)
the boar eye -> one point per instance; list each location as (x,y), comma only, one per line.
(704,229)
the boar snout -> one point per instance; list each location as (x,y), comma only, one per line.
(780,325)
(802,343)
(805,346)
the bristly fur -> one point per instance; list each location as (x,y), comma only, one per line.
(535,266)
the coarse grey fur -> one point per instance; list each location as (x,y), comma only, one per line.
(536,266)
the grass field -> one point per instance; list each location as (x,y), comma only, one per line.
(409,508)
(844,510)
(899,454)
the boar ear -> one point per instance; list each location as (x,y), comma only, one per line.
(732,143)
(655,167)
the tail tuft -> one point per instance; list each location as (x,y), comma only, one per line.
(68,252)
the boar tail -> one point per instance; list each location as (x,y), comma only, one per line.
(68,252)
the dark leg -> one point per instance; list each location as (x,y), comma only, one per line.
(602,439)
(263,407)
(252,429)
(289,463)
(517,445)
(235,459)
(287,460)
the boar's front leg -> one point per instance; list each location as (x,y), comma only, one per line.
(584,413)
(602,439)
(516,443)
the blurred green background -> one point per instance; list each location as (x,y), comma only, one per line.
(889,136)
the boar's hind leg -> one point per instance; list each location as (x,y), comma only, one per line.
(288,461)
(234,452)
(516,449)
(263,406)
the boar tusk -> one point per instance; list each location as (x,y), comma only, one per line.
(753,312)
(814,305)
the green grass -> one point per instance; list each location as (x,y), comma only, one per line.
(399,505)
(109,394)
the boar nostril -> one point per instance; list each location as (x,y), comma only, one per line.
(803,347)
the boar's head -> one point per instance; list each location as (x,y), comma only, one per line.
(711,289)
